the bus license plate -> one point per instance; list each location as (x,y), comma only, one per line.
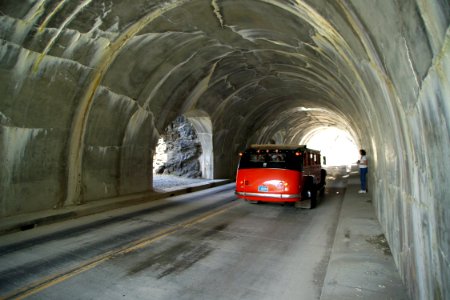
(263,188)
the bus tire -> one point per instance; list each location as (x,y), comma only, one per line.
(314,197)
(322,191)
(323,176)
(310,190)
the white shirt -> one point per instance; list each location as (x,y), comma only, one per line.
(363,162)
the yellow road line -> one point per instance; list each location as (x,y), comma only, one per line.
(51,280)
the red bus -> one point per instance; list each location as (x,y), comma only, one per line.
(280,173)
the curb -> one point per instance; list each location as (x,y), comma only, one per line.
(32,220)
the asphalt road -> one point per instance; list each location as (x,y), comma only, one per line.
(203,245)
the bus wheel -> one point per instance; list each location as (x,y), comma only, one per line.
(313,196)
(322,191)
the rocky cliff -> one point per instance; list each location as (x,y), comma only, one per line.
(178,151)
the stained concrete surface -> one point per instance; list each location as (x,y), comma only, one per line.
(340,253)
(164,186)
(88,86)
(361,264)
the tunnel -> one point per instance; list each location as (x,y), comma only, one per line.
(88,86)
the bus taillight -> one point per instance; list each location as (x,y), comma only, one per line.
(243,182)
(283,185)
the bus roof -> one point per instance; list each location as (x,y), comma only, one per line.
(280,147)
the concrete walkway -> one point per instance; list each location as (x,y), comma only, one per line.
(31,220)
(361,265)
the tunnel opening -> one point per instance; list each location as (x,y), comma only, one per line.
(178,150)
(202,125)
(337,145)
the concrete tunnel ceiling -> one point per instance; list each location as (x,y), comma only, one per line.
(236,67)
(87,86)
(239,73)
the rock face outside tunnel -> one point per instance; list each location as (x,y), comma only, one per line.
(87,86)
(182,149)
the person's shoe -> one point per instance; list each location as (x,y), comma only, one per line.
(362,192)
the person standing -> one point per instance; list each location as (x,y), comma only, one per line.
(363,168)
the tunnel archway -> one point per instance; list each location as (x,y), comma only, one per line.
(88,85)
(181,149)
(203,127)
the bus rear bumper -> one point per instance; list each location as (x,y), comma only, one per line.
(269,197)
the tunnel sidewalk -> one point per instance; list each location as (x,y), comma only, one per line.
(31,220)
(361,265)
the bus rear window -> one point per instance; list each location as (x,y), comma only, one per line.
(279,160)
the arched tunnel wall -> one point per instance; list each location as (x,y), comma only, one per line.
(87,85)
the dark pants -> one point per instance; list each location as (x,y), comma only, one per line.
(362,176)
